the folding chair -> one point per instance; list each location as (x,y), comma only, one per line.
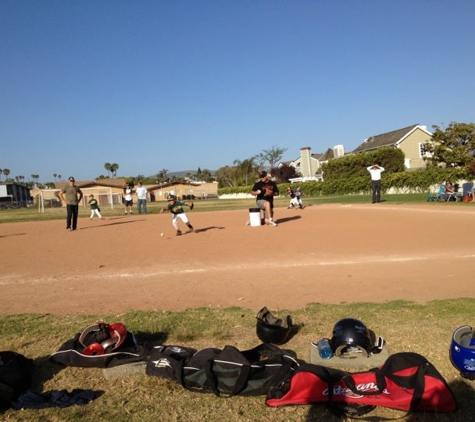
(467,189)
(441,194)
(452,196)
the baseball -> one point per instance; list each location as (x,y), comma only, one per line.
(161,234)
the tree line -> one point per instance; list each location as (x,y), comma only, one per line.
(451,148)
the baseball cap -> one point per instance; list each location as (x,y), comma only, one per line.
(262,174)
(71,179)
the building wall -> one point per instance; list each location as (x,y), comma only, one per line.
(201,191)
(15,194)
(411,148)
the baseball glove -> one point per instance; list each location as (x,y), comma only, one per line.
(192,206)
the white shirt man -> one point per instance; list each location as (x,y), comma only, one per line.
(375,170)
(141,193)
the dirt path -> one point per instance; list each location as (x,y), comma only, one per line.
(328,254)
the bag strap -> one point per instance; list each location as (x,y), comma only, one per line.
(419,387)
(416,382)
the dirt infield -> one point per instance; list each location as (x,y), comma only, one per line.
(327,254)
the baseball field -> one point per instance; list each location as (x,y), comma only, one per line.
(390,264)
(328,254)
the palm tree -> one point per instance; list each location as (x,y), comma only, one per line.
(114,167)
(6,172)
(59,178)
(163,175)
(107,166)
(55,175)
(246,169)
(1,172)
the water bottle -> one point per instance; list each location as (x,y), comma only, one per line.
(324,349)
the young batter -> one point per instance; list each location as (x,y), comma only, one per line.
(176,208)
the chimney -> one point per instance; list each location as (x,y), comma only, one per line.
(338,151)
(306,162)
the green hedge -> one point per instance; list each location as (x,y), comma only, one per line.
(417,180)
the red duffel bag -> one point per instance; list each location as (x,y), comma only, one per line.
(406,381)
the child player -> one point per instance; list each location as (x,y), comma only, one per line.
(176,208)
(94,207)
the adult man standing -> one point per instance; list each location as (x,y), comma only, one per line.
(264,190)
(72,195)
(375,170)
(141,193)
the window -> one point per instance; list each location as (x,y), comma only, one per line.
(423,153)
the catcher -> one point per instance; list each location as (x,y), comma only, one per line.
(176,208)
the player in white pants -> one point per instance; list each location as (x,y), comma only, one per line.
(176,208)
(94,207)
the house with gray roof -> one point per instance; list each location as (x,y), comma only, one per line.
(409,139)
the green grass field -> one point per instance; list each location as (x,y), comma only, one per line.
(421,328)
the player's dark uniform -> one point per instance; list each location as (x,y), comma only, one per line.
(268,190)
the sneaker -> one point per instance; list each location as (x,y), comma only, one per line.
(272,223)
(178,232)
(191,227)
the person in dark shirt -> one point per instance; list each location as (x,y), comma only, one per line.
(264,190)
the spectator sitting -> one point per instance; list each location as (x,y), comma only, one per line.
(449,189)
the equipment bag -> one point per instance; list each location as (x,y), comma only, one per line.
(406,381)
(15,377)
(100,346)
(226,372)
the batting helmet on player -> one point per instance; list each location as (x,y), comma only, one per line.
(171,197)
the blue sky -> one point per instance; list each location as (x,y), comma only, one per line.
(182,85)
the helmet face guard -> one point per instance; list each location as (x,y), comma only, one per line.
(462,351)
(101,338)
(350,339)
(270,329)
